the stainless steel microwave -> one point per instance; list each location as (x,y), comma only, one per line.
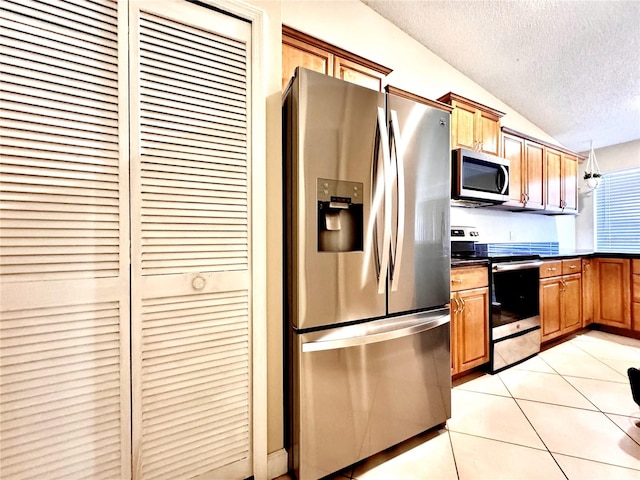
(479,177)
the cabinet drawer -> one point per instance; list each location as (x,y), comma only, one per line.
(469,277)
(551,269)
(573,265)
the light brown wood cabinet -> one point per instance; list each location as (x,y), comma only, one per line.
(543,179)
(560,298)
(561,182)
(473,125)
(635,268)
(587,291)
(612,292)
(469,318)
(301,50)
(525,172)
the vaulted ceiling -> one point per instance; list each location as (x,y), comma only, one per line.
(572,67)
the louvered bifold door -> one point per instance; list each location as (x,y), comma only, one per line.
(64,251)
(190,255)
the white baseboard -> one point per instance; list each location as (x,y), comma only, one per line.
(277,463)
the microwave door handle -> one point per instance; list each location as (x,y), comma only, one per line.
(399,150)
(505,173)
(386,232)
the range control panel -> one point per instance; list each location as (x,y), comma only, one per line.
(464,234)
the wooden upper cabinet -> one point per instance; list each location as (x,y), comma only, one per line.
(525,172)
(553,169)
(569,183)
(473,125)
(513,150)
(302,50)
(543,178)
(534,171)
(296,53)
(561,182)
(356,73)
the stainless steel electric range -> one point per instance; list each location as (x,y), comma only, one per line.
(515,302)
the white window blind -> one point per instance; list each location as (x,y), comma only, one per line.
(617,206)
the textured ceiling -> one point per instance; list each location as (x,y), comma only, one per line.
(571,67)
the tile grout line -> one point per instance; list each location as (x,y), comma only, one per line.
(598,408)
(534,428)
(453,452)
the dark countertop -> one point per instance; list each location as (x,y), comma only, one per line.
(470,262)
(475,262)
(589,254)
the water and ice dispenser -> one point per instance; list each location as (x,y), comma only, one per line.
(340,222)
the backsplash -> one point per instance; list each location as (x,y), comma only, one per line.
(524,248)
(502,227)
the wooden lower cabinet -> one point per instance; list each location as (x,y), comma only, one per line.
(560,298)
(469,318)
(612,292)
(635,269)
(587,291)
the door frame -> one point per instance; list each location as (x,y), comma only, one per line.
(257,18)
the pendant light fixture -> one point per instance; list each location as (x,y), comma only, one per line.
(592,171)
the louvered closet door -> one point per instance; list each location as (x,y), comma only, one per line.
(64,264)
(190,257)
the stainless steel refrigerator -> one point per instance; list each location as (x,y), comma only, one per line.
(367,258)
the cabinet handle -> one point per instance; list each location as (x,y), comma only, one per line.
(573,267)
(456,280)
(457,310)
(463,305)
(551,269)
(564,285)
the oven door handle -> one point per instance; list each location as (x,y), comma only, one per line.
(507,267)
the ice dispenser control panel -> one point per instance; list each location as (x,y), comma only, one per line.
(340,225)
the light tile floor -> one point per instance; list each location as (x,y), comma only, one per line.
(564,414)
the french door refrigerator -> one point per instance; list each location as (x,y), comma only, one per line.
(367,258)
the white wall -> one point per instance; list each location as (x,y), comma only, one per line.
(616,157)
(497,226)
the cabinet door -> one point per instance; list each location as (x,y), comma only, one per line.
(296,53)
(513,150)
(488,132)
(569,184)
(473,328)
(534,169)
(462,127)
(355,73)
(553,181)
(571,303)
(550,307)
(612,293)
(455,332)
(587,291)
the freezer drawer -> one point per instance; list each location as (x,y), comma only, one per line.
(360,389)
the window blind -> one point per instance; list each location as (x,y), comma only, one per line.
(617,205)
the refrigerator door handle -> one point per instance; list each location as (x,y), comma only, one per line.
(399,151)
(379,335)
(386,233)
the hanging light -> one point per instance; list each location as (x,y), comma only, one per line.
(592,171)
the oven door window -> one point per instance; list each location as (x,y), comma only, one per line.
(515,296)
